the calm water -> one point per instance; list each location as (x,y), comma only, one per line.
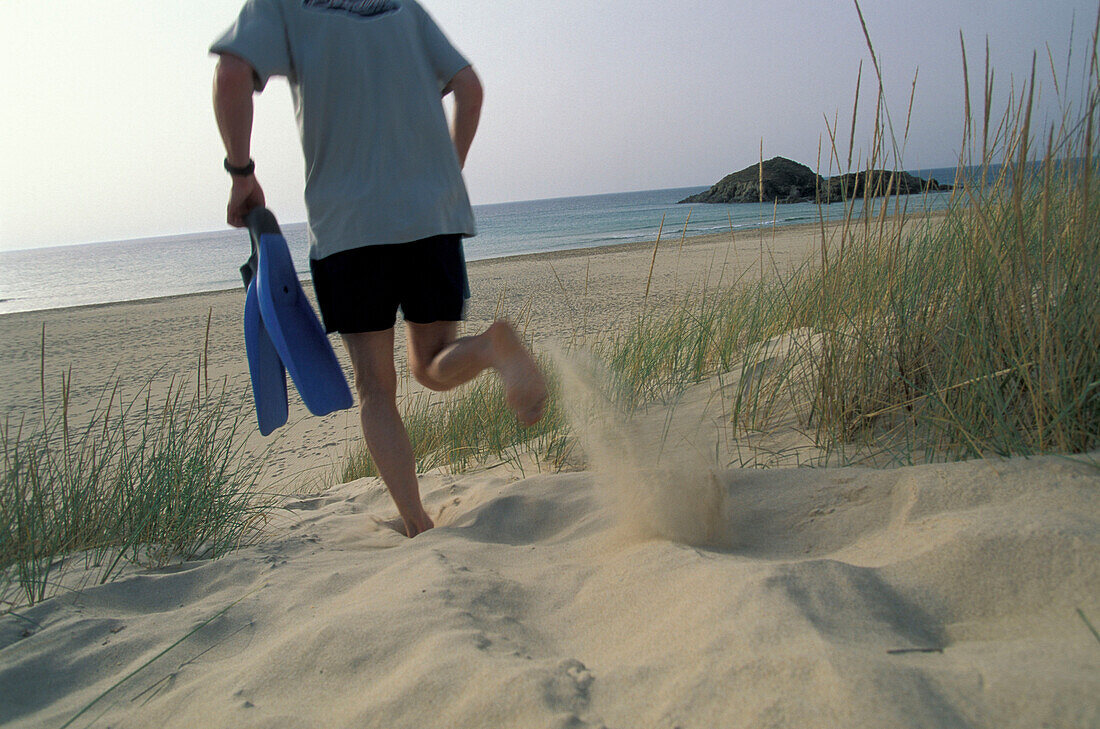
(97,273)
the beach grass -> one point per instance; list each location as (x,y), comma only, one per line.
(971,335)
(149,479)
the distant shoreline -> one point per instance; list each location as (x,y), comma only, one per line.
(479,263)
(669,236)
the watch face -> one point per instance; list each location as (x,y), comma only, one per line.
(361,8)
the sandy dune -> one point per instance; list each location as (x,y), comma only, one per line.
(934,596)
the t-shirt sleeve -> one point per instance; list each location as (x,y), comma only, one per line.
(259,37)
(445,59)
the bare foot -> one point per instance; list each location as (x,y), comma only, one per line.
(406,528)
(418,526)
(524,387)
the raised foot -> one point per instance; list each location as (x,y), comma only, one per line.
(524,387)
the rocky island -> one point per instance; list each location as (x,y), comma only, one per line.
(785,181)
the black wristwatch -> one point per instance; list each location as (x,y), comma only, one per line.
(245,171)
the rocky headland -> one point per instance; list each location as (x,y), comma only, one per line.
(780,180)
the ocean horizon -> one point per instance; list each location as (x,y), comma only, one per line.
(145,268)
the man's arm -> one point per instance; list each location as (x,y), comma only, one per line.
(468,96)
(233,110)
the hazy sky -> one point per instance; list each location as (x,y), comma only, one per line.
(108,131)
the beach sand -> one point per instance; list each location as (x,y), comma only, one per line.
(656,587)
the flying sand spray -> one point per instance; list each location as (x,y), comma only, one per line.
(654,479)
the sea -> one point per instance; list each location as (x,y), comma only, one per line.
(99,273)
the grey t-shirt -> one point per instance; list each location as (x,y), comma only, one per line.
(366,77)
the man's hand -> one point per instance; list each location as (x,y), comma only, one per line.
(245,195)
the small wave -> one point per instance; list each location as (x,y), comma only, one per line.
(621,236)
(736,226)
(727,226)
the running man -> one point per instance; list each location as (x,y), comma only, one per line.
(387,206)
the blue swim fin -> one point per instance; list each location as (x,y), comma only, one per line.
(265,367)
(289,320)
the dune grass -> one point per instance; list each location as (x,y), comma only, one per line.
(976,334)
(145,480)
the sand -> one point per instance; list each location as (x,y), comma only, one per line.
(657,587)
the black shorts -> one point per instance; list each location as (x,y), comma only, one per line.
(360,290)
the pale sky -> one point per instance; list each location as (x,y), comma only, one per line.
(108,131)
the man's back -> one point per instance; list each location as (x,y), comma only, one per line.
(367,79)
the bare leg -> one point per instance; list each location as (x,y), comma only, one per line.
(440,362)
(385,434)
